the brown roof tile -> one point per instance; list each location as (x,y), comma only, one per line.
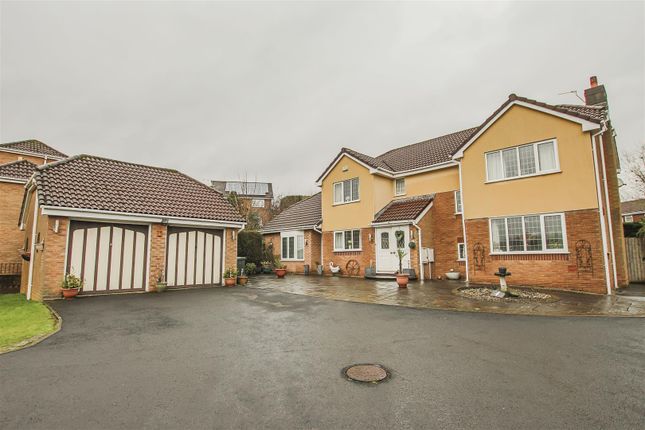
(304,215)
(89,182)
(33,146)
(20,170)
(403,209)
(633,206)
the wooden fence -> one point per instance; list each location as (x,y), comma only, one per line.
(636,258)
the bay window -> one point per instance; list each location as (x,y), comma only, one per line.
(346,191)
(293,245)
(526,160)
(347,240)
(528,234)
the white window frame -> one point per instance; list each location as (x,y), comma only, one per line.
(460,246)
(458,208)
(564,250)
(628,218)
(344,232)
(298,234)
(342,184)
(257,203)
(396,188)
(538,172)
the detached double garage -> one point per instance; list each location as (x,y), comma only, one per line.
(114,257)
(121,226)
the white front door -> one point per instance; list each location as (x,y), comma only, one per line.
(388,240)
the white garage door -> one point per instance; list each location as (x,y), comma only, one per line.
(194,257)
(108,257)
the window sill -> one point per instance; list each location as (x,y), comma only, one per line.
(346,203)
(293,260)
(400,195)
(551,172)
(347,250)
(530,253)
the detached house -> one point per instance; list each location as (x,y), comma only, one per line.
(533,188)
(253,197)
(18,161)
(119,226)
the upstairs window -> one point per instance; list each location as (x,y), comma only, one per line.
(526,160)
(399,186)
(257,203)
(346,191)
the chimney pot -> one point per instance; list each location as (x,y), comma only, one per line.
(593,81)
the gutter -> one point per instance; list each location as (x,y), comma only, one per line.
(603,230)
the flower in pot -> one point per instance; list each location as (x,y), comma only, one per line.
(280,270)
(266,266)
(402,279)
(162,285)
(242,279)
(71,285)
(230,276)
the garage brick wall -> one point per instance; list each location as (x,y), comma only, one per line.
(230,259)
(158,237)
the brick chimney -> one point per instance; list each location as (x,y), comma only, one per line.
(595,94)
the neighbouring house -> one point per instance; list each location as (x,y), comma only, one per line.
(533,188)
(18,160)
(294,235)
(253,197)
(633,210)
(120,226)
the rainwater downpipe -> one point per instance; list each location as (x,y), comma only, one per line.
(321,248)
(419,247)
(463,222)
(32,255)
(609,221)
(601,211)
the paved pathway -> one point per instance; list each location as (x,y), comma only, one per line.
(440,295)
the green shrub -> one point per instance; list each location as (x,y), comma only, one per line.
(630,229)
(251,246)
(250,268)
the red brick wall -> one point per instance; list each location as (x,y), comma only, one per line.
(442,230)
(363,257)
(311,254)
(560,271)
(230,259)
(158,238)
(12,237)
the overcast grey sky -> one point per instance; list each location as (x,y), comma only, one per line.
(273,90)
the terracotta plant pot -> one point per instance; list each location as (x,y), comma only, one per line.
(280,272)
(229,282)
(161,287)
(402,279)
(70,293)
(242,280)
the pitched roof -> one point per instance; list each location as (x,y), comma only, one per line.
(403,209)
(304,215)
(18,170)
(633,206)
(244,188)
(89,182)
(33,146)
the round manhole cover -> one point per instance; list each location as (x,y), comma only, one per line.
(366,372)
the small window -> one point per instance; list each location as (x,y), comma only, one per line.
(346,191)
(461,251)
(629,218)
(293,246)
(257,203)
(399,185)
(457,202)
(526,160)
(347,240)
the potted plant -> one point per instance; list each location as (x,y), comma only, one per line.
(242,279)
(71,285)
(402,279)
(162,285)
(250,269)
(280,270)
(230,276)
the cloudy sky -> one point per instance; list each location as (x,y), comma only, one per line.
(273,90)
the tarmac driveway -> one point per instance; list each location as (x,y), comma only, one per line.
(249,358)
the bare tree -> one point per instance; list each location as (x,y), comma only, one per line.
(636,173)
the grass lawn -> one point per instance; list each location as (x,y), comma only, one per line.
(21,319)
